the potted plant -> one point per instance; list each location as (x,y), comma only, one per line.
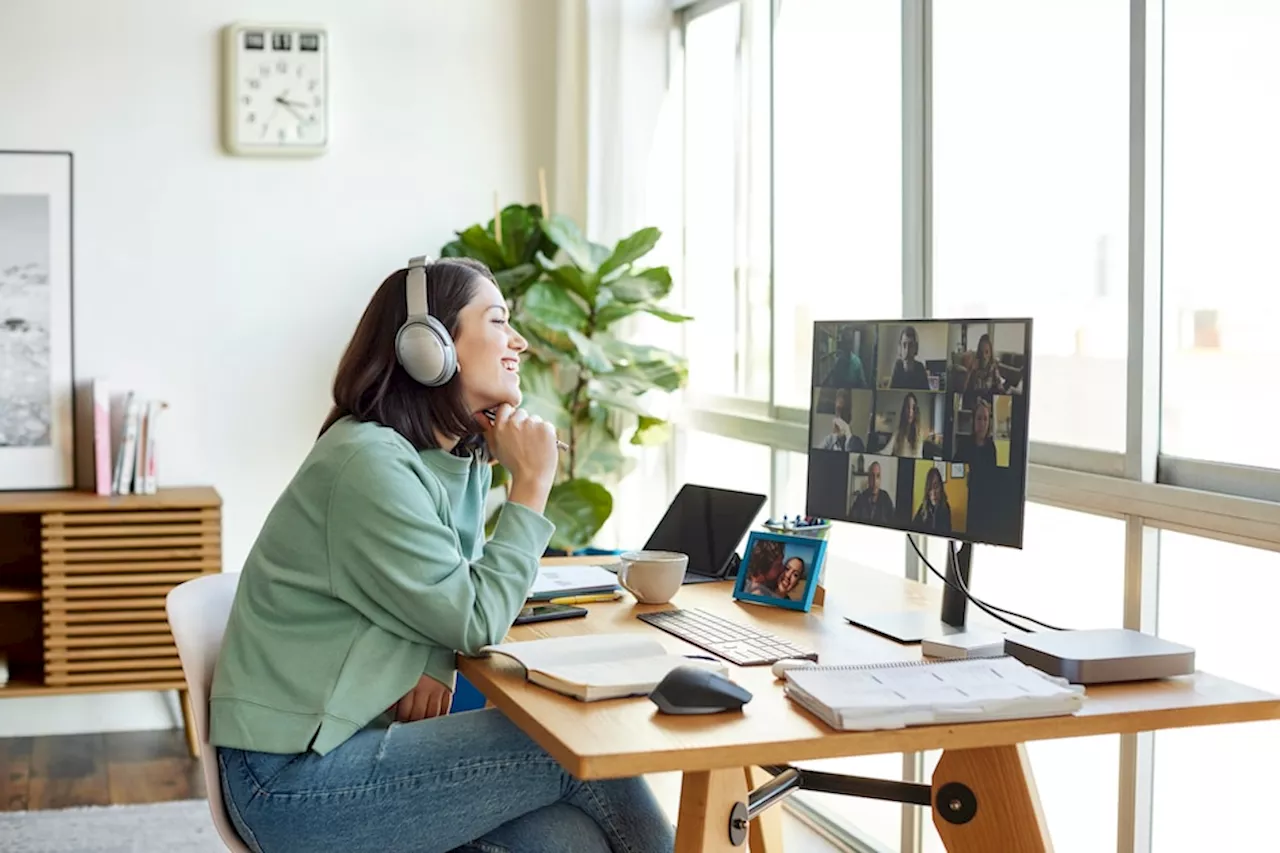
(566,295)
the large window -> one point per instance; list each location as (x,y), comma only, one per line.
(1030,194)
(1222,176)
(983,158)
(838,174)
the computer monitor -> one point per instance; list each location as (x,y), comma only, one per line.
(921,426)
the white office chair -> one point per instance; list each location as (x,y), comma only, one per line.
(198,611)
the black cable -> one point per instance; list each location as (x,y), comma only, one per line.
(951,557)
(960,586)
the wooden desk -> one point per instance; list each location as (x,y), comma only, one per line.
(627,737)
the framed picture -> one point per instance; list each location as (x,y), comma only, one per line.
(780,570)
(37,445)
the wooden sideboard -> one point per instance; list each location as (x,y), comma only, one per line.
(82,585)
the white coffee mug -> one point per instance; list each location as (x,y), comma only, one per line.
(653,577)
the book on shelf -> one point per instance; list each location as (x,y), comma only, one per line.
(119,461)
(865,697)
(598,666)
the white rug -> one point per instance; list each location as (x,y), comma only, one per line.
(183,826)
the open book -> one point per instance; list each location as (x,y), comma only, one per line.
(598,666)
(917,693)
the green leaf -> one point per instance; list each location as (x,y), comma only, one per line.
(521,232)
(515,281)
(612,312)
(554,308)
(669,316)
(651,431)
(541,396)
(630,249)
(578,508)
(596,451)
(501,476)
(453,249)
(566,234)
(616,395)
(593,355)
(481,246)
(643,368)
(573,279)
(647,286)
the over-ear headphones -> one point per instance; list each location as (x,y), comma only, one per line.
(423,345)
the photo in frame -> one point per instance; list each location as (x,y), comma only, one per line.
(37,442)
(781,570)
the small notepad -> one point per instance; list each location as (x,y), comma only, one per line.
(922,692)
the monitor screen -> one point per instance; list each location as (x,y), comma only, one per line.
(921,426)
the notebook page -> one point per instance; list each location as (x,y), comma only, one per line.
(983,682)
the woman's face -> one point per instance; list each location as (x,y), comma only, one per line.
(790,576)
(910,412)
(984,352)
(934,491)
(488,350)
(981,423)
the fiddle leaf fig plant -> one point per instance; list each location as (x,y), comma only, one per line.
(567,295)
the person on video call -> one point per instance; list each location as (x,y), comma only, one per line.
(847,371)
(908,437)
(329,710)
(872,503)
(984,371)
(934,512)
(907,372)
(978,449)
(841,436)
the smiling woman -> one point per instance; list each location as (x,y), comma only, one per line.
(371,573)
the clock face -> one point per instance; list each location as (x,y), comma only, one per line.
(278,83)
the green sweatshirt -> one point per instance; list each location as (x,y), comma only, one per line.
(371,570)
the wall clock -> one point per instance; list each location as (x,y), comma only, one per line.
(275,90)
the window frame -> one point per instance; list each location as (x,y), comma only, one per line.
(1143,486)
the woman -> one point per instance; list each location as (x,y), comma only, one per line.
(792,575)
(841,432)
(934,513)
(908,437)
(984,371)
(979,448)
(329,701)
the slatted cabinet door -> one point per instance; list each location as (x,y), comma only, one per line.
(105,578)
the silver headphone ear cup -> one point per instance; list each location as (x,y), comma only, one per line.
(425,350)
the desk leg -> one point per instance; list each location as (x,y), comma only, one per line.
(706,799)
(765,831)
(1008,814)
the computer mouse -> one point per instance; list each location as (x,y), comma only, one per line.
(780,667)
(694,690)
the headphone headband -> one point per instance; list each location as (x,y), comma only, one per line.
(416,286)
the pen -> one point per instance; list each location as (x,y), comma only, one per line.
(586,599)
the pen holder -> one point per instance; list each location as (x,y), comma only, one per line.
(811,531)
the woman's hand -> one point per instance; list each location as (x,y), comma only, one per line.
(429,699)
(526,446)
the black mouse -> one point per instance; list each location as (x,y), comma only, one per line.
(694,690)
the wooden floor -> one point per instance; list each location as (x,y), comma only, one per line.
(123,768)
(119,768)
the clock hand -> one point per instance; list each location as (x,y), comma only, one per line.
(288,105)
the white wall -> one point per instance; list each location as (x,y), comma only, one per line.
(229,286)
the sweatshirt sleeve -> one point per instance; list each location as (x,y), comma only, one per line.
(392,557)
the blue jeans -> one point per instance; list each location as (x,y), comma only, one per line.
(468,782)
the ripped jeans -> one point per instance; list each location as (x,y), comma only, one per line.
(470,783)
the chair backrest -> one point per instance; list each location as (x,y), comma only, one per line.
(198,611)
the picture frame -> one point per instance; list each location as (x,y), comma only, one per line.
(37,376)
(780,570)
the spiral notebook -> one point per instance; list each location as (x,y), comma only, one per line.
(865,697)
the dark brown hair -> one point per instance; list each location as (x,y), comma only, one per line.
(371,385)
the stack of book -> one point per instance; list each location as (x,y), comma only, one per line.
(122,462)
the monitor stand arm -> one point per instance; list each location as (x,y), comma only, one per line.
(912,626)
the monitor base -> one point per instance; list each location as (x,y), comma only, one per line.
(906,626)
